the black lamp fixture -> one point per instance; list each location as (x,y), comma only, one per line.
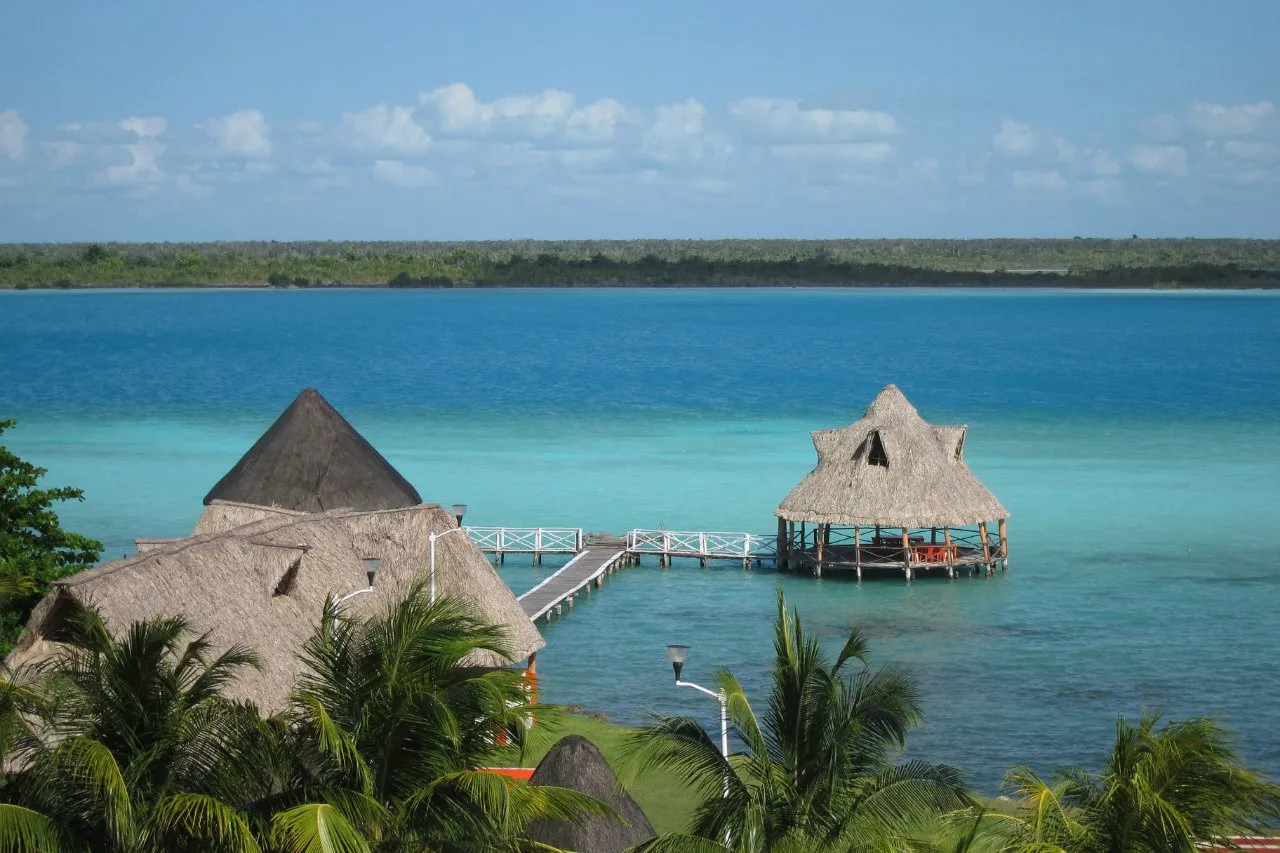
(459,510)
(677,655)
(371,566)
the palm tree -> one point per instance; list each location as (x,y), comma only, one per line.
(129,734)
(390,722)
(1166,787)
(818,768)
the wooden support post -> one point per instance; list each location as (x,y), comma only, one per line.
(1004,544)
(781,544)
(857,550)
(502,558)
(826,534)
(804,537)
(571,598)
(537,558)
(702,561)
(951,552)
(933,536)
(986,546)
(906,551)
(560,610)
(820,536)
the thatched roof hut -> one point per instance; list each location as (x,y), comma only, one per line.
(574,762)
(312,460)
(892,469)
(260,576)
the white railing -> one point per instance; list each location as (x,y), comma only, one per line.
(680,543)
(527,540)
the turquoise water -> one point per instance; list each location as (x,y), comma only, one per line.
(1134,437)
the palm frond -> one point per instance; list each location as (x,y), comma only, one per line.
(180,820)
(316,828)
(23,830)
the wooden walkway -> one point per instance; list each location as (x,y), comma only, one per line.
(550,596)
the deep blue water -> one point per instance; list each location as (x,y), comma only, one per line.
(1135,437)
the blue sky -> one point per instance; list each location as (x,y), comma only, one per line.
(142,120)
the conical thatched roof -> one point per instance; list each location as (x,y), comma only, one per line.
(574,762)
(263,582)
(312,460)
(893,469)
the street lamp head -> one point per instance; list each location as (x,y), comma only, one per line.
(459,510)
(371,566)
(677,655)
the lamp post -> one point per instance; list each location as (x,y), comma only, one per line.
(678,655)
(371,566)
(431,554)
(459,510)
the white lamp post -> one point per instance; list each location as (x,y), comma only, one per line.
(431,555)
(678,655)
(459,510)
(371,566)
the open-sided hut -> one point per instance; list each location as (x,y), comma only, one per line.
(574,762)
(891,491)
(264,582)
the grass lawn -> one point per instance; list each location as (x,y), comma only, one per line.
(667,800)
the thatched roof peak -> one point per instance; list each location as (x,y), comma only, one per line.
(310,460)
(574,762)
(894,469)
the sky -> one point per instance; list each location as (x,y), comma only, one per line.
(405,119)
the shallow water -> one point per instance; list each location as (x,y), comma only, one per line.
(1135,439)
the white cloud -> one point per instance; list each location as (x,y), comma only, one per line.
(1251,150)
(1238,120)
(401,174)
(678,132)
(1014,139)
(839,152)
(778,118)
(13,134)
(386,127)
(64,153)
(1066,151)
(597,122)
(1030,179)
(1101,162)
(1159,159)
(146,128)
(458,111)
(144,168)
(244,133)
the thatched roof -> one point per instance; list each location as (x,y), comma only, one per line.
(263,583)
(893,469)
(312,460)
(574,762)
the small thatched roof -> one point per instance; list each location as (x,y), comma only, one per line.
(574,762)
(893,469)
(263,582)
(312,460)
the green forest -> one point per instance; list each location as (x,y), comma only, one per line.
(1077,262)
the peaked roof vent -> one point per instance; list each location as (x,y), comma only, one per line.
(312,460)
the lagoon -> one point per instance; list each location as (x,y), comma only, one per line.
(1135,438)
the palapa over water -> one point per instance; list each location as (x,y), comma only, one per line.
(312,460)
(257,571)
(891,468)
(574,762)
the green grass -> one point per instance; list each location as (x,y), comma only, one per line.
(667,800)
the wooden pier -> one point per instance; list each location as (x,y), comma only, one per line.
(560,589)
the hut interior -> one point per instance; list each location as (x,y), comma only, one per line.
(892,493)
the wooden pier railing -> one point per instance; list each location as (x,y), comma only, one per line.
(666,544)
(526,540)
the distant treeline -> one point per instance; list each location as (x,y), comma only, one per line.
(667,263)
